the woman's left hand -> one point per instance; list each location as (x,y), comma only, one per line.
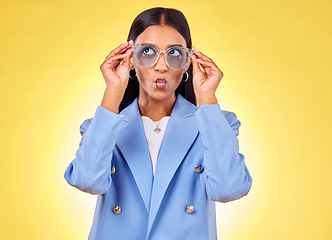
(207,80)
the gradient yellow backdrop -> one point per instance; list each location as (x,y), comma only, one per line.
(276,56)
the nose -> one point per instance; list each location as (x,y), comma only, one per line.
(161,65)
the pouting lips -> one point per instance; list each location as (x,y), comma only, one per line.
(160,82)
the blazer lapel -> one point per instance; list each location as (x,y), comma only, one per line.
(132,144)
(180,134)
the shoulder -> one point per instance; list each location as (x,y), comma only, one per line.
(231,117)
(214,111)
(233,121)
(84,125)
(103,116)
(215,108)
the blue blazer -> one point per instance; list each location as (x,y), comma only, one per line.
(198,163)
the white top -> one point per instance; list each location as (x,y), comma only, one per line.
(153,138)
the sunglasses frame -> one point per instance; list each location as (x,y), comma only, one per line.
(188,51)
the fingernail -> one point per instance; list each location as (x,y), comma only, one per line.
(196,49)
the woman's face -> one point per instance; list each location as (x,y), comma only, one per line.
(159,81)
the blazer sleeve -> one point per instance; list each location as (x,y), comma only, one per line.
(90,171)
(226,175)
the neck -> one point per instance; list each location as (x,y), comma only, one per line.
(156,109)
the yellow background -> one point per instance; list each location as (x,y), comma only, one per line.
(276,57)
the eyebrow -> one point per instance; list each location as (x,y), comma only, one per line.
(175,45)
(172,45)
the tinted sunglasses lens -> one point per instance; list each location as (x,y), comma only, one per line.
(146,55)
(177,58)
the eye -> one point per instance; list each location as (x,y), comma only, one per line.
(175,52)
(148,51)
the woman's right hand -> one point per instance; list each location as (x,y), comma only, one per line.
(115,71)
(116,75)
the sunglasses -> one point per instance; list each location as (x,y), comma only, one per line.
(176,57)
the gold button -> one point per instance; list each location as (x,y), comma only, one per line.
(117,210)
(190,209)
(112,169)
(199,169)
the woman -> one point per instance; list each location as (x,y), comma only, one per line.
(157,161)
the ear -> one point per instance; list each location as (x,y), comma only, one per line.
(186,68)
(131,63)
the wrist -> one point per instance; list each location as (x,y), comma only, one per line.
(206,99)
(112,98)
(114,89)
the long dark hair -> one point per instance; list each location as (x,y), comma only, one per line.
(160,16)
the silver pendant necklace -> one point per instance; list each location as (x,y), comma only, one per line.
(157,129)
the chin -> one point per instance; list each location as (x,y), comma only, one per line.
(161,95)
(156,94)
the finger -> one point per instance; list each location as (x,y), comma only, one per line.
(210,67)
(126,59)
(117,50)
(206,64)
(200,55)
(196,67)
(114,60)
(115,57)
(121,48)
